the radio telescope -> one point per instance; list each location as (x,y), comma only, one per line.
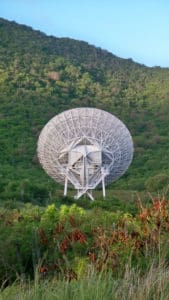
(85,148)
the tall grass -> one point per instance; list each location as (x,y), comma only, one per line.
(153,285)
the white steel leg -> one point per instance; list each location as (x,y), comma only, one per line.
(65,187)
(103,187)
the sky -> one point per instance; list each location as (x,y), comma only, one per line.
(137,29)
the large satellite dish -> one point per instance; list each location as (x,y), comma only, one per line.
(85,148)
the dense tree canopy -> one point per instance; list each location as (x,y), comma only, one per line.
(41,76)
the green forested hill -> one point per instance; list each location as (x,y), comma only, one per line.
(41,76)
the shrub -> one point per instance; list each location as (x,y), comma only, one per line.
(157,182)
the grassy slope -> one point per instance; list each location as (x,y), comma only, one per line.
(154,285)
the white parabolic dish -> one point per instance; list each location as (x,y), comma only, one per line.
(85,147)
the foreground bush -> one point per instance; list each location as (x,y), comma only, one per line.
(64,243)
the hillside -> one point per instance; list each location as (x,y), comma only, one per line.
(41,76)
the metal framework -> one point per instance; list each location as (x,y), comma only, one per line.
(85,148)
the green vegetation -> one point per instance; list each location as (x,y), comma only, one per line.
(154,285)
(49,243)
(53,253)
(41,76)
